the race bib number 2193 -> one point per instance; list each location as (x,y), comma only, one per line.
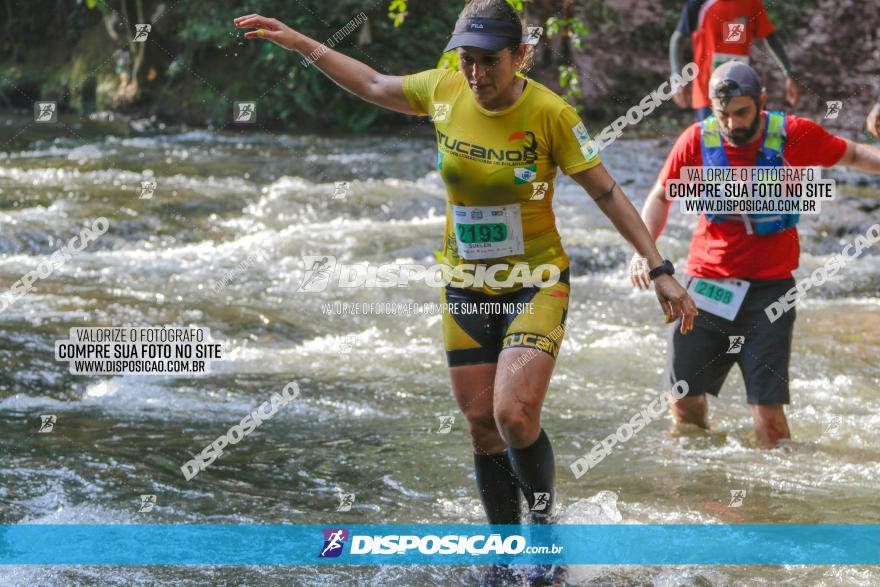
(488,232)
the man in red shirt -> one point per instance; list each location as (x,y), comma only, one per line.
(754,269)
(722,31)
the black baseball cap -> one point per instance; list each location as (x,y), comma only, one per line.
(734,78)
(491,34)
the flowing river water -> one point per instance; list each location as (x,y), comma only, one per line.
(244,208)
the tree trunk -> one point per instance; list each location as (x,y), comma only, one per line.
(140,49)
(129,93)
(9,31)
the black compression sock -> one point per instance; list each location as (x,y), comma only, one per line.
(498,488)
(536,470)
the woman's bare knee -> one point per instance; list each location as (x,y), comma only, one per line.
(485,437)
(473,388)
(519,395)
(518,423)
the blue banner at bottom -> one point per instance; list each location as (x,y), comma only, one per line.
(716,544)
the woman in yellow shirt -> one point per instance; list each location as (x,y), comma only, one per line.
(501,138)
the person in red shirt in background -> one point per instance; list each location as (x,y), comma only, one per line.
(756,268)
(722,31)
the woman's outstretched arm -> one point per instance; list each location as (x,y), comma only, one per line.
(673,298)
(350,74)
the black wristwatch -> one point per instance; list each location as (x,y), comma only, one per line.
(664,268)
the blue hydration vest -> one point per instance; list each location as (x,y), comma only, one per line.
(769,155)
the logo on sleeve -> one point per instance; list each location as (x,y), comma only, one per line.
(588,150)
(580,133)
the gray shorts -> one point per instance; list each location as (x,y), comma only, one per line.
(704,356)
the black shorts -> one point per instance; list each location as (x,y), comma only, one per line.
(703,356)
(478,326)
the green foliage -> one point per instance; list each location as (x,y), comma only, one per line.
(99,4)
(201,62)
(448,60)
(578,29)
(206,42)
(571,83)
(397,11)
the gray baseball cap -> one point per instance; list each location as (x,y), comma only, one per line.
(733,79)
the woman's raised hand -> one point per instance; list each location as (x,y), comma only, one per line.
(270,29)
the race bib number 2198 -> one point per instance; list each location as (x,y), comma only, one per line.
(722,297)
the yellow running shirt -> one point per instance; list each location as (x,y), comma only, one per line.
(498,168)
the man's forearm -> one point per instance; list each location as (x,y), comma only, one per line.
(655,212)
(774,45)
(863,157)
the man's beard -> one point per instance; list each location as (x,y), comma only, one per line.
(742,136)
